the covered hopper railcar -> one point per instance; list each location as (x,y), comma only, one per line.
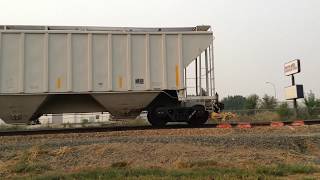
(56,69)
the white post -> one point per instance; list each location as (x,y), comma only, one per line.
(200,74)
(207,79)
(212,69)
(109,60)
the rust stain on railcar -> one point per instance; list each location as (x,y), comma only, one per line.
(58,83)
(120,82)
(177,76)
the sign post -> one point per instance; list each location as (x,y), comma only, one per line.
(294,91)
(295,104)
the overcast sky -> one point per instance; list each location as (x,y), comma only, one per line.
(254,38)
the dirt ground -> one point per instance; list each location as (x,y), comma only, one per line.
(165,148)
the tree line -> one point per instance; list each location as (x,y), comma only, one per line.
(310,104)
(253,101)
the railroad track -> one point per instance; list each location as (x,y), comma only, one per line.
(42,131)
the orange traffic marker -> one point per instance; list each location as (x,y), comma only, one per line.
(298,123)
(277,124)
(244,125)
(224,126)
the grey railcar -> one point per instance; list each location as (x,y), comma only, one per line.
(62,69)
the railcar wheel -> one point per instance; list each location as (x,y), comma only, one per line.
(200,117)
(155,119)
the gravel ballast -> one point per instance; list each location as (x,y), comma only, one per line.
(164,148)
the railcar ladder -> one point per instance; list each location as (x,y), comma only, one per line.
(199,81)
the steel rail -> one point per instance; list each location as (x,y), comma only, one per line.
(45,131)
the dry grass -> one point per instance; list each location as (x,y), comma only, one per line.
(34,153)
(119,164)
(261,116)
(132,122)
(29,162)
(62,151)
(119,154)
(179,164)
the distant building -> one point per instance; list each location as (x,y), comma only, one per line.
(2,123)
(74,118)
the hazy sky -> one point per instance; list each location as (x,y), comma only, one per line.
(254,38)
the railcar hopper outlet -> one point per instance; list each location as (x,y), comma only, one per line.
(62,69)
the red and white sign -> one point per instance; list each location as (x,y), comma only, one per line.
(292,67)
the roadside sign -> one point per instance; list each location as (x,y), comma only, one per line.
(294,92)
(292,67)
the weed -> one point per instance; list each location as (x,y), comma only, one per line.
(13,127)
(66,125)
(63,151)
(84,122)
(134,122)
(28,162)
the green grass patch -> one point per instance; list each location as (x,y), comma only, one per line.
(28,163)
(25,167)
(156,173)
(283,169)
(12,127)
(309,178)
(217,173)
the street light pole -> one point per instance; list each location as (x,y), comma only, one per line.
(274,88)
